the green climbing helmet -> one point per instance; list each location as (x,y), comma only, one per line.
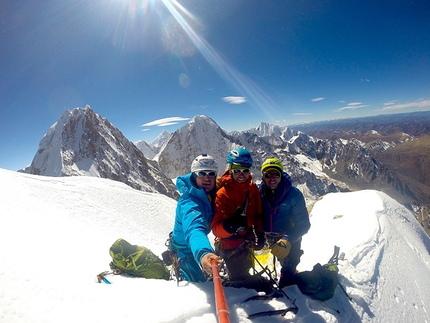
(272,163)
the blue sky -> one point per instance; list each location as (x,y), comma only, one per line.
(137,62)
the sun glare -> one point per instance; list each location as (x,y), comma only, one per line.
(142,25)
(241,83)
(129,23)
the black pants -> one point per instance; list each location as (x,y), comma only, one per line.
(289,264)
(238,263)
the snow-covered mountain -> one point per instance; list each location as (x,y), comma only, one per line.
(203,135)
(83,143)
(55,234)
(317,166)
(150,150)
(200,135)
(161,139)
(146,148)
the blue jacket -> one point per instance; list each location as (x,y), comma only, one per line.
(285,211)
(194,214)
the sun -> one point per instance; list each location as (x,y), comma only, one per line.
(131,24)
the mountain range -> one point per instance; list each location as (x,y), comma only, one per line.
(401,142)
(83,143)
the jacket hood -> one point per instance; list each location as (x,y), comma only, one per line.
(184,183)
(187,184)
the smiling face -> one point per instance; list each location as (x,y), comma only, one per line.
(272,177)
(206,180)
(240,175)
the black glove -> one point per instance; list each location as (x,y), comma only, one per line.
(236,223)
(260,241)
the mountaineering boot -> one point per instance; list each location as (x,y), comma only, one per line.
(287,280)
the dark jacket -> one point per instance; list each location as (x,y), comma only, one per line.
(284,208)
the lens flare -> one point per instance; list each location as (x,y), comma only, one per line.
(228,73)
(144,24)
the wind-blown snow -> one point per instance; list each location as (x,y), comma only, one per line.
(55,235)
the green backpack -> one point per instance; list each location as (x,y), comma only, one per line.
(320,283)
(137,261)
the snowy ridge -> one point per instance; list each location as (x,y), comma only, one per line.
(390,250)
(55,234)
(275,134)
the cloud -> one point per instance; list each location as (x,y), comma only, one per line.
(390,102)
(146,129)
(352,106)
(234,99)
(302,114)
(417,104)
(317,99)
(165,122)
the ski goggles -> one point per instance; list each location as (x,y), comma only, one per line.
(236,171)
(272,173)
(202,173)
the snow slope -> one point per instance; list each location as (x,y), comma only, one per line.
(55,235)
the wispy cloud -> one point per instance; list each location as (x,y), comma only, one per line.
(317,99)
(302,114)
(392,102)
(352,106)
(416,104)
(165,122)
(234,99)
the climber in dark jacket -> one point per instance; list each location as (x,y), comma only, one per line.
(286,218)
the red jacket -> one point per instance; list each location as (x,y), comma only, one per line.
(229,197)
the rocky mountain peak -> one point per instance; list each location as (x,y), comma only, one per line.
(200,135)
(83,143)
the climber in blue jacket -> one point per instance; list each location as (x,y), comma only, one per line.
(194,212)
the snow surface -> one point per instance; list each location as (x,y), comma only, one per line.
(55,235)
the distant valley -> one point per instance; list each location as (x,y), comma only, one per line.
(401,142)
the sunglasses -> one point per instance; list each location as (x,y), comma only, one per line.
(273,173)
(236,171)
(203,174)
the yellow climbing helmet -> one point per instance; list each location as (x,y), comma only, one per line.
(272,163)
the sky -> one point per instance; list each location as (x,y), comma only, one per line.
(55,235)
(151,65)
